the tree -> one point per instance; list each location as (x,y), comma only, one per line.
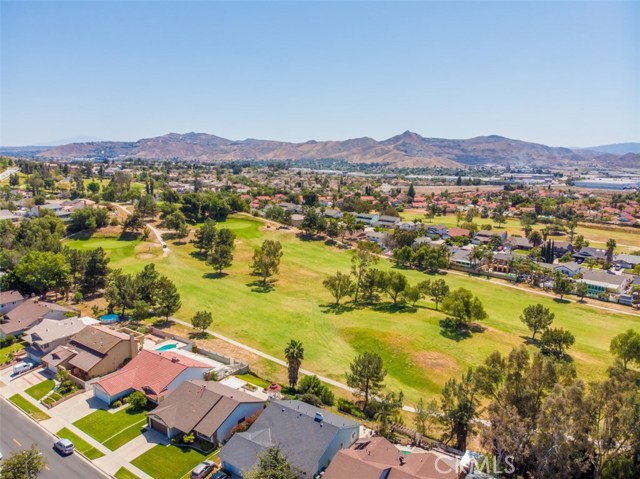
(626,347)
(459,405)
(438,291)
(463,307)
(140,311)
(121,291)
(425,415)
(175,221)
(394,284)
(82,219)
(266,259)
(557,340)
(294,352)
(388,408)
(561,284)
(535,238)
(272,464)
(133,222)
(221,257)
(147,206)
(205,236)
(43,271)
(366,376)
(537,318)
(25,464)
(202,320)
(313,391)
(611,246)
(137,401)
(339,285)
(411,192)
(146,283)
(364,257)
(581,290)
(412,295)
(312,223)
(166,297)
(403,256)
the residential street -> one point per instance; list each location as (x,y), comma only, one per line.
(17,433)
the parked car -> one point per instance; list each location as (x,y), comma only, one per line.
(203,469)
(220,475)
(64,446)
(22,367)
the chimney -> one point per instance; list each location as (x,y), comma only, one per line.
(133,346)
(402,461)
(175,359)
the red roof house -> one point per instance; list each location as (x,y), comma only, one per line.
(155,373)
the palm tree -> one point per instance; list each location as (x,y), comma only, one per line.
(294,352)
(476,255)
(611,245)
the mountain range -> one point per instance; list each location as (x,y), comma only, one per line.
(407,150)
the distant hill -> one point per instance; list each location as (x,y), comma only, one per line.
(408,150)
(617,148)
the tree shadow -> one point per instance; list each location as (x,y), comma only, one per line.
(309,237)
(198,335)
(330,242)
(198,255)
(258,286)
(162,323)
(529,341)
(450,330)
(337,308)
(215,275)
(394,308)
(561,301)
(128,236)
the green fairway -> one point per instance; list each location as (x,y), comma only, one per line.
(113,430)
(80,444)
(418,357)
(40,390)
(168,462)
(33,411)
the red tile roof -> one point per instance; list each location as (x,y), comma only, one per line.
(149,371)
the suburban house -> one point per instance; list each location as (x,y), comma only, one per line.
(366,218)
(63,208)
(155,373)
(560,248)
(209,409)
(626,261)
(93,352)
(47,335)
(296,220)
(376,458)
(458,233)
(378,237)
(333,214)
(29,313)
(485,236)
(603,282)
(6,215)
(386,221)
(571,268)
(9,300)
(520,243)
(310,437)
(460,257)
(291,207)
(439,230)
(588,252)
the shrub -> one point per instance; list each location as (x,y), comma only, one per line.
(116,404)
(137,400)
(114,222)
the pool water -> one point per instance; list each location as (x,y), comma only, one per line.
(110,318)
(167,347)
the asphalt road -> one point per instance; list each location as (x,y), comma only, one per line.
(18,432)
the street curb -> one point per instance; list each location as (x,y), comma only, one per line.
(54,436)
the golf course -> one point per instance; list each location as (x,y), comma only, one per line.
(418,357)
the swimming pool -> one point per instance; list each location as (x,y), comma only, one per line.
(110,318)
(167,347)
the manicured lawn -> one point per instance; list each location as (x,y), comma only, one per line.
(40,390)
(118,250)
(29,408)
(125,474)
(4,352)
(112,430)
(250,378)
(168,462)
(80,444)
(419,358)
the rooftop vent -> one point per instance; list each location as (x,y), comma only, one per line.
(319,417)
(402,461)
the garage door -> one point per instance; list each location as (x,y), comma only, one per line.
(101,394)
(158,426)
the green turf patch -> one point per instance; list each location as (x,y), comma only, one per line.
(125,474)
(29,408)
(80,444)
(40,390)
(253,379)
(168,462)
(7,350)
(113,430)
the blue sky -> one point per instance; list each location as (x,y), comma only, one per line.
(560,73)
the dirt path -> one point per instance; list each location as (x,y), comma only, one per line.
(156,232)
